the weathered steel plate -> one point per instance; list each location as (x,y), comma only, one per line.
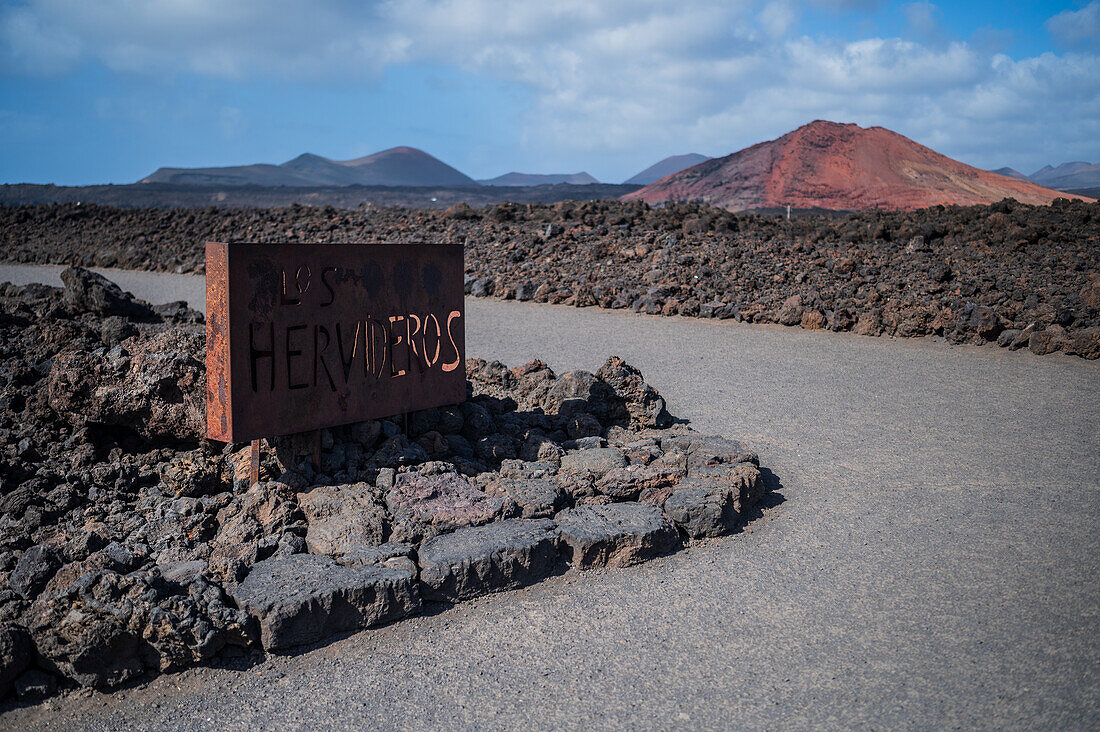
(304,336)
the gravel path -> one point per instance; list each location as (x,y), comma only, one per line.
(934,563)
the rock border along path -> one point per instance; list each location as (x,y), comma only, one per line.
(132,545)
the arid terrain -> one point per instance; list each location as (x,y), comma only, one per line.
(939,519)
(1014,274)
(472,365)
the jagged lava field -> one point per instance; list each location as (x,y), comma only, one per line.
(1015,274)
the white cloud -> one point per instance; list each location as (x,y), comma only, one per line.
(923,19)
(229,39)
(33,47)
(1077,28)
(619,77)
(884,66)
(848,5)
(776,18)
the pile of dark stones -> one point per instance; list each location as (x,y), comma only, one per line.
(130,545)
(1012,274)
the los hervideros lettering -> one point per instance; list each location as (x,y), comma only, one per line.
(379,329)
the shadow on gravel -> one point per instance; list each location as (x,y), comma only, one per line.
(239,659)
(429,608)
(772,497)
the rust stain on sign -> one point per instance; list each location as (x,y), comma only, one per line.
(303,336)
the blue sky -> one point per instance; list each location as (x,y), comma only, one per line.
(107,91)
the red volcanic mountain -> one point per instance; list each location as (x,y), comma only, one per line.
(839,166)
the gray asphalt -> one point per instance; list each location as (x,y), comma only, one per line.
(933,562)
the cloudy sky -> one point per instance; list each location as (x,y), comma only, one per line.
(109,90)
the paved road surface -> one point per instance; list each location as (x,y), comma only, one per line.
(934,562)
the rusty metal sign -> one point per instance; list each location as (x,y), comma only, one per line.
(304,336)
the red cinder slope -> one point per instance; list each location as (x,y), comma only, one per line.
(840,166)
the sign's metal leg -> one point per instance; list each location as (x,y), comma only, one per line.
(316,447)
(254,473)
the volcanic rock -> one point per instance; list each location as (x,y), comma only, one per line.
(425,505)
(582,391)
(304,598)
(868,323)
(93,293)
(1046,341)
(256,523)
(906,321)
(154,384)
(1085,343)
(340,516)
(496,447)
(813,320)
(536,497)
(33,571)
(581,425)
(644,406)
(1090,293)
(615,535)
(122,530)
(182,573)
(712,499)
(396,451)
(35,685)
(978,320)
(16,653)
(597,461)
(627,483)
(874,271)
(391,554)
(107,628)
(191,476)
(705,450)
(700,512)
(791,311)
(478,560)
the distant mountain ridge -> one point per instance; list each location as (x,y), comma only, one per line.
(1011,173)
(1068,175)
(822,164)
(666,167)
(1074,177)
(836,166)
(397,166)
(540,179)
